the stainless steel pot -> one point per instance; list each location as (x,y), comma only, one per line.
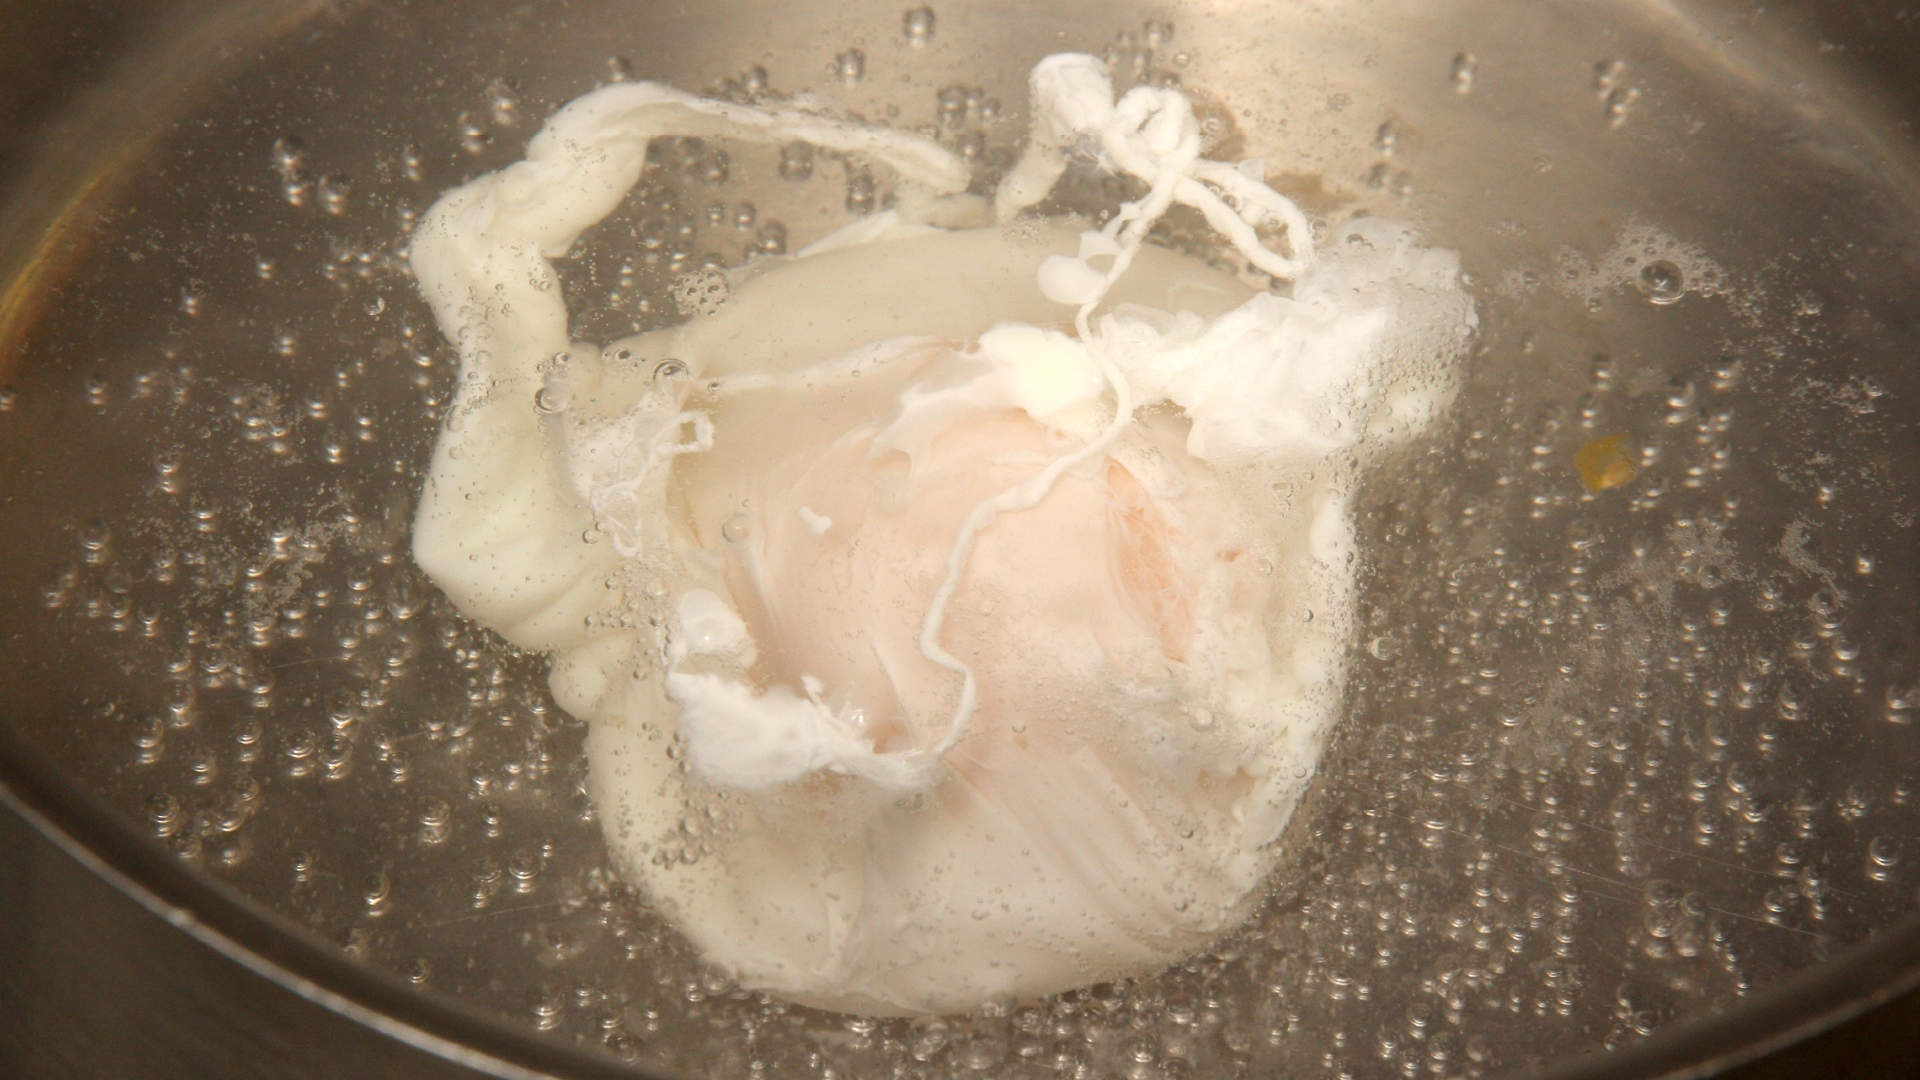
(214,375)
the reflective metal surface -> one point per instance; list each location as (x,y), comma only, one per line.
(1629,769)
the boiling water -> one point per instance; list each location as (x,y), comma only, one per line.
(1627,734)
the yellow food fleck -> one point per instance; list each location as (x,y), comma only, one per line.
(1605,463)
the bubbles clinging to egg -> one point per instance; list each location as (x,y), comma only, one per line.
(702,292)
(1662,282)
(1373,367)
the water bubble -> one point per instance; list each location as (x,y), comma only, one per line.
(1661,282)
(688,151)
(625,1045)
(952,101)
(771,239)
(1465,67)
(202,766)
(289,153)
(260,631)
(247,735)
(486,881)
(1853,803)
(435,821)
(1681,396)
(1826,605)
(334,189)
(755,80)
(619,69)
(850,66)
(473,133)
(377,893)
(95,535)
(1902,697)
(179,704)
(1606,75)
(405,600)
(336,756)
(928,1039)
(1387,139)
(1883,854)
(164,812)
(503,98)
(667,370)
(1773,592)
(1618,102)
(1720,611)
(554,397)
(9,397)
(547,1002)
(796,161)
(523,868)
(862,192)
(917,25)
(1384,177)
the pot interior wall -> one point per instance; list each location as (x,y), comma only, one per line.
(1612,759)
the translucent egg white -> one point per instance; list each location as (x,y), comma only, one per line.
(947,575)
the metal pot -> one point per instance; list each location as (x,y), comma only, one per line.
(1692,223)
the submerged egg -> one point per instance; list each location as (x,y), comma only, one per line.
(992,678)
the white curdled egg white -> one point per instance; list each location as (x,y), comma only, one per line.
(960,610)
